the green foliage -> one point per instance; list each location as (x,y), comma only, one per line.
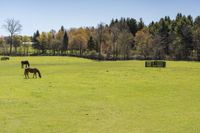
(140,25)
(132,24)
(36,44)
(17,41)
(196,37)
(125,38)
(43,44)
(65,42)
(91,44)
(93,54)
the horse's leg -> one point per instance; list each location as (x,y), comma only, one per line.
(34,75)
(26,75)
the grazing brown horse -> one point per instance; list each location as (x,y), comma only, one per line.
(32,70)
(26,63)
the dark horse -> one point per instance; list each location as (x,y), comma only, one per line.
(26,63)
(32,70)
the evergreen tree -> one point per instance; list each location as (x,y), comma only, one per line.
(112,22)
(65,42)
(132,24)
(164,33)
(43,42)
(184,39)
(36,43)
(140,25)
(91,44)
(196,37)
(62,29)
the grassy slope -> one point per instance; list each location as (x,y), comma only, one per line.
(83,96)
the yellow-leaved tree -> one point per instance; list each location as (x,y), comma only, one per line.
(78,40)
(144,42)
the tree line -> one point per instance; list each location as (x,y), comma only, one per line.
(124,39)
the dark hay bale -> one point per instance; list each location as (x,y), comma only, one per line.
(5,58)
(155,63)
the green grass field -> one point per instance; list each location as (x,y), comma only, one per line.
(84,96)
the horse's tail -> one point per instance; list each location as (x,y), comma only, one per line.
(25,71)
(21,64)
(39,73)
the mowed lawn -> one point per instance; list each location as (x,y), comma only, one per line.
(83,96)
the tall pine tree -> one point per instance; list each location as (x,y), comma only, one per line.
(36,43)
(91,44)
(65,42)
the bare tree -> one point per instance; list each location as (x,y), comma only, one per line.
(125,40)
(100,36)
(114,37)
(13,27)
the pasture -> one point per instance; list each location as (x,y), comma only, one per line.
(84,96)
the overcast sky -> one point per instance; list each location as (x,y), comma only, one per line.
(45,15)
